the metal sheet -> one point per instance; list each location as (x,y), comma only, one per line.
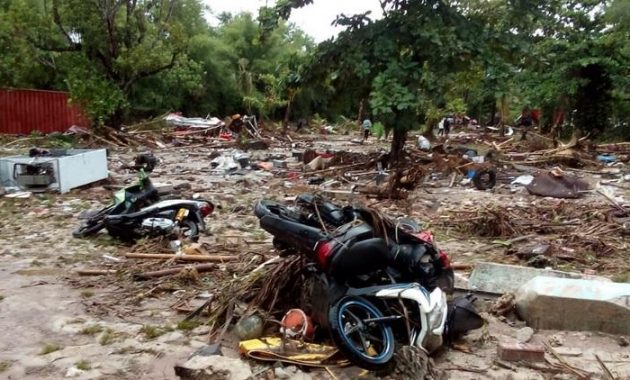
(24,111)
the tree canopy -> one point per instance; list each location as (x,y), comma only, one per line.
(130,59)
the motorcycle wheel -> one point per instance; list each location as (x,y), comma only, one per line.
(369,345)
(189,230)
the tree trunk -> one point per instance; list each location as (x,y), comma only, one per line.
(115,120)
(493,112)
(287,113)
(398,144)
(360,114)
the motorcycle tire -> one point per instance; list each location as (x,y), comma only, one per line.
(485,179)
(370,346)
(191,230)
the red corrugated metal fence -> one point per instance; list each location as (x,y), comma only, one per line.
(23,111)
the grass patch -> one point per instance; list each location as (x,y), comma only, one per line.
(83,365)
(91,330)
(188,325)
(50,347)
(4,366)
(87,293)
(107,337)
(152,332)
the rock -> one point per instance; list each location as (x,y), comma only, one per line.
(201,330)
(209,350)
(525,334)
(281,373)
(249,327)
(213,368)
(623,341)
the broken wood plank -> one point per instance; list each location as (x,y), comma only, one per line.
(95,272)
(204,258)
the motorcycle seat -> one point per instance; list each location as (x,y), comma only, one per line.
(122,218)
(363,257)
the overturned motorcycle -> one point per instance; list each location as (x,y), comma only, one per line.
(137,211)
(377,281)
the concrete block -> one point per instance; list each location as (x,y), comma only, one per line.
(575,305)
(514,352)
(500,278)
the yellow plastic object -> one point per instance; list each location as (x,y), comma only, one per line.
(292,351)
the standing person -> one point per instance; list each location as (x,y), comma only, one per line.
(448,121)
(441,127)
(236,125)
(367,128)
(301,124)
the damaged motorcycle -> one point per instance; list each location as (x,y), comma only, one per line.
(137,211)
(376,282)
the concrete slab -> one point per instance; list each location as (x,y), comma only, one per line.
(577,305)
(500,278)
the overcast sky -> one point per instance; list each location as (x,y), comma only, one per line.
(314,19)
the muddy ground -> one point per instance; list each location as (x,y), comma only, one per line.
(56,324)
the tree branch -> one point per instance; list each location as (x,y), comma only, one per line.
(57,20)
(147,73)
(131,6)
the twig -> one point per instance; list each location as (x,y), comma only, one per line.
(576,371)
(606,370)
(330,373)
(455,367)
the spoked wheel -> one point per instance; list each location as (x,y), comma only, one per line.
(365,342)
